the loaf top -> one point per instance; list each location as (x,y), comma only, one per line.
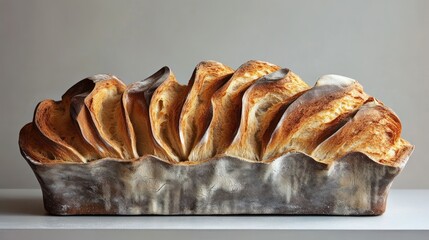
(257,113)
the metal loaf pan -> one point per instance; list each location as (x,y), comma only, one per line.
(292,184)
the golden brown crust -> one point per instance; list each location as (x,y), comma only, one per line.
(81,116)
(41,149)
(226,104)
(261,102)
(73,100)
(254,113)
(164,110)
(374,130)
(196,113)
(54,122)
(136,99)
(104,103)
(315,115)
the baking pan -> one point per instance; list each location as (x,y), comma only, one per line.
(292,184)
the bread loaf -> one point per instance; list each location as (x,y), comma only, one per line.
(257,113)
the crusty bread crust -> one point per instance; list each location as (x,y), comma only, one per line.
(196,113)
(315,115)
(41,149)
(54,122)
(257,113)
(374,130)
(104,103)
(82,117)
(226,104)
(164,110)
(261,102)
(136,99)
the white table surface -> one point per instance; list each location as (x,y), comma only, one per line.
(22,210)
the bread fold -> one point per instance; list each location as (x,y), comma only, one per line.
(82,117)
(256,113)
(53,121)
(374,130)
(226,104)
(196,113)
(104,104)
(164,110)
(41,149)
(136,100)
(315,115)
(261,103)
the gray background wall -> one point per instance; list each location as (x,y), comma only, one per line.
(46,46)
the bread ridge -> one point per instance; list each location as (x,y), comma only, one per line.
(104,103)
(51,118)
(136,100)
(258,112)
(374,130)
(261,102)
(315,115)
(226,105)
(82,117)
(33,144)
(207,78)
(56,122)
(164,109)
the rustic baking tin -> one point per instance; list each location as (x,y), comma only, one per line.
(292,184)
